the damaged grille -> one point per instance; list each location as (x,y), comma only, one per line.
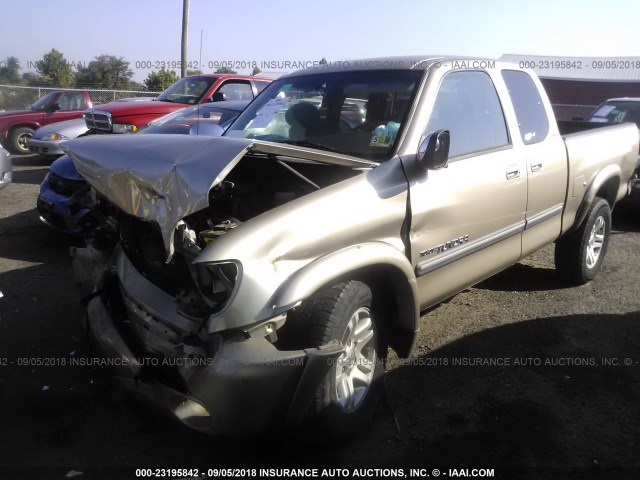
(142,242)
(98,120)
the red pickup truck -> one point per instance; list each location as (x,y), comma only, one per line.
(17,126)
(119,117)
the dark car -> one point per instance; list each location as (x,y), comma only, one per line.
(621,110)
(56,202)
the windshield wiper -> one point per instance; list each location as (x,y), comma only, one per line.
(304,143)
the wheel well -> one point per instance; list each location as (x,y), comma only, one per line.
(393,301)
(394,298)
(14,127)
(609,190)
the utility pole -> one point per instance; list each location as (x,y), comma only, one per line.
(185,37)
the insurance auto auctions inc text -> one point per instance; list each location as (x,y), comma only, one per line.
(373,472)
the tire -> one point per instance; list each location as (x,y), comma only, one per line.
(18,140)
(347,397)
(579,255)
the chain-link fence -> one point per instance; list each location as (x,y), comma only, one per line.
(564,111)
(15,97)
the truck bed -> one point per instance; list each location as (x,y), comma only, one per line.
(597,150)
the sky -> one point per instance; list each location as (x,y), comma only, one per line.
(270,33)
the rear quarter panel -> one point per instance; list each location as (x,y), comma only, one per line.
(595,157)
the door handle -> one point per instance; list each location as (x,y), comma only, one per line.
(513,171)
(536,166)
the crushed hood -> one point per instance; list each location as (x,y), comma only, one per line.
(164,178)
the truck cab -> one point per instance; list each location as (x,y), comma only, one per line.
(16,127)
(292,251)
(129,117)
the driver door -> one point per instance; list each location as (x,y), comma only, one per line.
(467,218)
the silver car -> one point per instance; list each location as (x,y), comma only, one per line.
(46,140)
(5,168)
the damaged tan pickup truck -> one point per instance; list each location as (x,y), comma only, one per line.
(256,280)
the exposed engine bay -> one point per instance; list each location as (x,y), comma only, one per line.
(257,184)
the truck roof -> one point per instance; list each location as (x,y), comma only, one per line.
(409,62)
(229,75)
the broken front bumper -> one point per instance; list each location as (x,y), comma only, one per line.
(231,384)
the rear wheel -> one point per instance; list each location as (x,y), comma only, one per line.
(347,397)
(579,255)
(18,140)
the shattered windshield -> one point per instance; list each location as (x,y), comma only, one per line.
(354,113)
(187,90)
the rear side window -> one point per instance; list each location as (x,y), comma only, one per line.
(468,106)
(260,85)
(532,117)
(235,91)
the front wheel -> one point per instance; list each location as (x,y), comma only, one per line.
(347,397)
(18,140)
(579,255)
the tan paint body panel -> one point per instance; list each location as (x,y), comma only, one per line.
(594,157)
(472,197)
(489,220)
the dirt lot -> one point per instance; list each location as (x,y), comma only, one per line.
(564,394)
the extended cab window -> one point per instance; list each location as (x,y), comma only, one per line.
(532,117)
(72,101)
(235,91)
(260,85)
(468,106)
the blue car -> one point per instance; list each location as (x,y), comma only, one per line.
(56,202)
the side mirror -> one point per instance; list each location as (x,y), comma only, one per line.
(433,152)
(206,129)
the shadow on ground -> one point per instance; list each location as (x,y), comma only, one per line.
(33,176)
(549,393)
(626,216)
(32,160)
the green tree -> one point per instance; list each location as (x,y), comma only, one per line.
(194,72)
(10,72)
(323,61)
(32,79)
(106,71)
(160,80)
(256,71)
(225,70)
(54,69)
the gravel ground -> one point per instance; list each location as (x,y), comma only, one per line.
(520,374)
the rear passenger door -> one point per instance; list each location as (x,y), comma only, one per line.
(467,219)
(545,155)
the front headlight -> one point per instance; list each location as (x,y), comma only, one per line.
(54,136)
(123,128)
(218,282)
